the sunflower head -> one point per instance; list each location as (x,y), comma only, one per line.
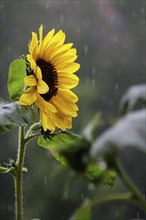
(50,76)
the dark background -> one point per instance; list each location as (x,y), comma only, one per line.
(110,39)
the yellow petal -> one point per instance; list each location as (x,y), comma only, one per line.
(38,73)
(61,59)
(53,43)
(71,52)
(67,81)
(62,39)
(42,87)
(33,46)
(66,108)
(63,121)
(66,94)
(47,121)
(63,65)
(72,68)
(47,107)
(28,97)
(58,38)
(60,49)
(47,39)
(40,36)
(30,80)
(32,62)
(47,55)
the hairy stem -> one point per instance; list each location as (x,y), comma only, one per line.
(19,176)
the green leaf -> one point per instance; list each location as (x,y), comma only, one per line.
(13,115)
(68,148)
(90,131)
(96,174)
(134,99)
(17,72)
(83,212)
(127,132)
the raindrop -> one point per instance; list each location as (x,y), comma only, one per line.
(117,86)
(93,76)
(10,208)
(93,71)
(133,13)
(45,179)
(101,6)
(117,214)
(62,19)
(78,29)
(1,6)
(47,5)
(93,82)
(143,22)
(142,11)
(82,196)
(9,49)
(86,49)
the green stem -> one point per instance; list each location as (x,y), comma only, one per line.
(32,136)
(111,197)
(136,195)
(19,175)
(35,125)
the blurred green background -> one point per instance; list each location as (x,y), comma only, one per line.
(110,39)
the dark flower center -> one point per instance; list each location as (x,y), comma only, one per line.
(49,76)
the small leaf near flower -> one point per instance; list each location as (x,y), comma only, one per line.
(17,72)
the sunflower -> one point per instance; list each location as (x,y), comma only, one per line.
(51,77)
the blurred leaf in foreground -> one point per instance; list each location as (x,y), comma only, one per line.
(68,148)
(134,99)
(127,132)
